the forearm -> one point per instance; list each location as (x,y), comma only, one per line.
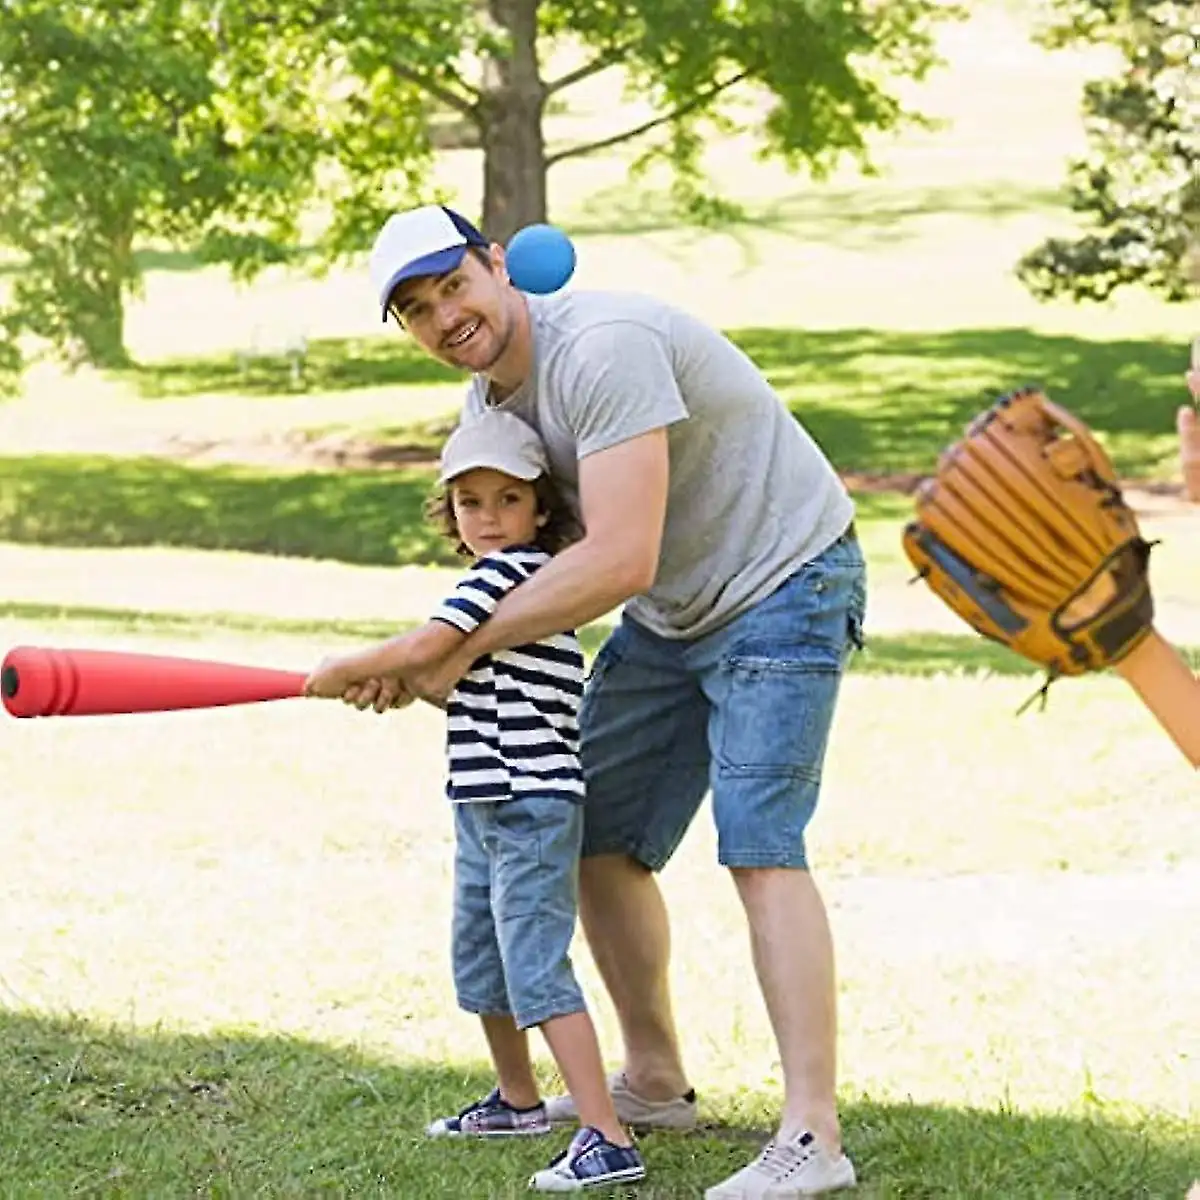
(584,582)
(426,647)
(1168,688)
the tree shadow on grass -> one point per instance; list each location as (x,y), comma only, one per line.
(876,400)
(888,401)
(862,217)
(359,517)
(101,1111)
(330,365)
(919,655)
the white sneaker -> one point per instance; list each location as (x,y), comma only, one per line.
(632,1110)
(787,1171)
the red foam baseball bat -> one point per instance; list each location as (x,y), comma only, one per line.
(38,681)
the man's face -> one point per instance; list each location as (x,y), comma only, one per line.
(463,318)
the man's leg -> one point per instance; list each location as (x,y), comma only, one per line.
(645,758)
(628,931)
(793,957)
(773,677)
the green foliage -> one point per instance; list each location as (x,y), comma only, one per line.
(127,122)
(811,80)
(1138,187)
(114,131)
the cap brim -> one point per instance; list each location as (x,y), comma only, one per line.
(437,263)
(488,461)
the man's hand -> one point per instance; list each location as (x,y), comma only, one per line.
(433,684)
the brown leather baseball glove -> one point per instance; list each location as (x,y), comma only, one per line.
(1024,533)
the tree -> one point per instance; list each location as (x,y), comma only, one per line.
(823,69)
(224,123)
(113,132)
(1138,187)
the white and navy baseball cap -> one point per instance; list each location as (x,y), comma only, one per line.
(499,440)
(429,240)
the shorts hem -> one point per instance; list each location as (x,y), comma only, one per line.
(651,861)
(564,1007)
(485,1008)
(749,861)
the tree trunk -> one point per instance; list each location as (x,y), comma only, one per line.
(510,119)
(100,327)
(98,314)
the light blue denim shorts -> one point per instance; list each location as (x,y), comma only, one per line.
(516,892)
(744,712)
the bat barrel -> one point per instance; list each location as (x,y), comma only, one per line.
(39,683)
(44,682)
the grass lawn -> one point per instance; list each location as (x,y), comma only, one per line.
(225,960)
(224,935)
(225,964)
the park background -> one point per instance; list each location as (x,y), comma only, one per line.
(224,934)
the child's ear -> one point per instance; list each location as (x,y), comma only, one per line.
(541,519)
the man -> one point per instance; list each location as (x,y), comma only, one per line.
(715,519)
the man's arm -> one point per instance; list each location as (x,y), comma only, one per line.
(430,643)
(623,501)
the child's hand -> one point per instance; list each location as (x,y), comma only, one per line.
(332,677)
(381,694)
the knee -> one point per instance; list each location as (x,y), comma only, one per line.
(761,886)
(611,886)
(602,874)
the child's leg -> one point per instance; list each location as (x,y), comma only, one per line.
(535,893)
(510,1055)
(572,1040)
(512,1108)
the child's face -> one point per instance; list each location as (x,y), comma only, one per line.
(494,510)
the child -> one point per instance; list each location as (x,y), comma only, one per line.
(517,788)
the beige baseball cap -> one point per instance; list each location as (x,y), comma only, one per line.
(499,440)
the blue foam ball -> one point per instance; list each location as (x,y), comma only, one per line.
(540,259)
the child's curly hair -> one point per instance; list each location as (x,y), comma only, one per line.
(560,530)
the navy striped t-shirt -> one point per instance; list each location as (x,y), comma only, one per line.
(512,720)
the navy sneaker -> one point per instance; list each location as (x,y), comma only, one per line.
(492,1116)
(591,1160)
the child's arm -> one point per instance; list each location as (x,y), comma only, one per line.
(420,648)
(383,666)
(1167,687)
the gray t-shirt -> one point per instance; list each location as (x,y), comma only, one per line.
(751,496)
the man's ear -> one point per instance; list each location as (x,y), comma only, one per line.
(497,262)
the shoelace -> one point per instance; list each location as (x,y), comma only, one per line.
(578,1151)
(785,1159)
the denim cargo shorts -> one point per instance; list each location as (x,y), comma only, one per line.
(744,711)
(516,891)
